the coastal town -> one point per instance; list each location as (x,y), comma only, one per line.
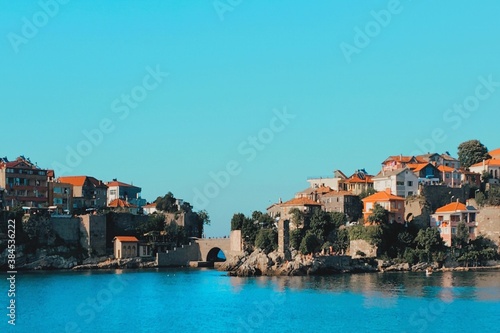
(415,209)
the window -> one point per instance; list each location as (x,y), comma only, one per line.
(112,192)
(58,201)
(58,190)
(398,183)
(472,230)
(410,193)
(453,231)
(447,175)
(410,183)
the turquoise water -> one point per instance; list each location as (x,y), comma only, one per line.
(192,300)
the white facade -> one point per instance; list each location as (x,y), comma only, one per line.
(402,183)
(491,166)
(332,183)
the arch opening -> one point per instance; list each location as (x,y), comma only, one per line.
(216,255)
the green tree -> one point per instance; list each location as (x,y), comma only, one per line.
(481,199)
(494,195)
(341,240)
(237,221)
(366,193)
(431,244)
(167,203)
(298,217)
(249,231)
(472,152)
(310,243)
(263,219)
(155,222)
(267,240)
(202,219)
(296,237)
(379,215)
(460,239)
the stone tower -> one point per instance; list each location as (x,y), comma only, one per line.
(284,238)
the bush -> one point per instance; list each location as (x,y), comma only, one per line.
(309,244)
(267,240)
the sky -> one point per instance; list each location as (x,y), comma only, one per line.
(231,104)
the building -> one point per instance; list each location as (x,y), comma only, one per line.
(282,210)
(313,193)
(400,162)
(343,202)
(359,182)
(88,192)
(426,173)
(335,182)
(450,176)
(149,208)
(470,178)
(61,196)
(440,159)
(395,205)
(24,182)
(119,190)
(125,247)
(448,217)
(492,166)
(122,206)
(400,182)
(93,234)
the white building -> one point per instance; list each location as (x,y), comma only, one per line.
(492,166)
(400,182)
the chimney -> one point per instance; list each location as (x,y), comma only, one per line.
(280,201)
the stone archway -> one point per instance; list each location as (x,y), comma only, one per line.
(216,255)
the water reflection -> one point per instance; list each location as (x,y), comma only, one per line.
(384,289)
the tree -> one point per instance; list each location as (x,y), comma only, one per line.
(167,203)
(263,219)
(379,215)
(431,244)
(472,152)
(237,221)
(155,222)
(366,193)
(202,219)
(494,195)
(310,243)
(296,237)
(267,240)
(461,238)
(249,231)
(298,217)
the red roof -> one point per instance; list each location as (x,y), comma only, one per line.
(120,203)
(495,153)
(490,162)
(151,205)
(444,168)
(418,166)
(356,179)
(383,196)
(73,180)
(130,239)
(452,207)
(338,193)
(301,202)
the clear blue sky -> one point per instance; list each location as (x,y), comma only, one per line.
(228,69)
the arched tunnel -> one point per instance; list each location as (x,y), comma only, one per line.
(216,255)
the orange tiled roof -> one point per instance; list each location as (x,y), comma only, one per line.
(151,205)
(127,239)
(490,162)
(73,180)
(452,207)
(120,203)
(444,168)
(383,196)
(301,202)
(495,153)
(355,179)
(416,167)
(338,193)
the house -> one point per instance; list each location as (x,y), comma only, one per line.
(449,216)
(88,192)
(495,154)
(149,208)
(450,176)
(61,196)
(399,182)
(24,182)
(359,182)
(120,190)
(400,162)
(440,159)
(395,205)
(282,210)
(313,193)
(120,205)
(343,202)
(125,247)
(335,182)
(470,178)
(492,166)
(426,173)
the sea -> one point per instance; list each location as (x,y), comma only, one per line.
(207,300)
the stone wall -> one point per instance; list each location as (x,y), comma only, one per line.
(440,195)
(419,210)
(488,221)
(361,245)
(67,228)
(93,234)
(180,256)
